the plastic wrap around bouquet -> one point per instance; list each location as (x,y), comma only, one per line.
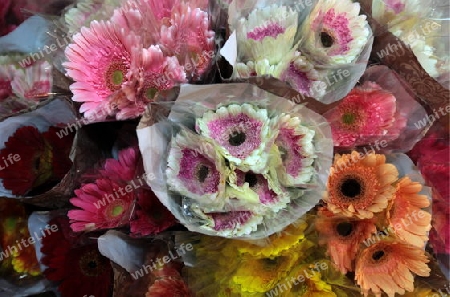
(235,161)
(320,48)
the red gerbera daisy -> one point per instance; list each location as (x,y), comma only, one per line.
(33,160)
(152,217)
(80,269)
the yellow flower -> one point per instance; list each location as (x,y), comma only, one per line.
(262,274)
(305,280)
(289,239)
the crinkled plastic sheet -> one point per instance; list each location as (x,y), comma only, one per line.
(335,81)
(424,27)
(154,142)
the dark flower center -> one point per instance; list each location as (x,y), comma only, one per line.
(326,39)
(344,228)
(90,264)
(348,118)
(270,263)
(351,188)
(377,255)
(237,138)
(251,179)
(202,173)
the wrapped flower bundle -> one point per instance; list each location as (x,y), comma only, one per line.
(237,161)
(254,148)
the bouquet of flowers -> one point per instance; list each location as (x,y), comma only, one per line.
(240,162)
(224,148)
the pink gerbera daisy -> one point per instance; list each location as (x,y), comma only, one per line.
(124,169)
(365,114)
(189,37)
(104,204)
(99,60)
(155,72)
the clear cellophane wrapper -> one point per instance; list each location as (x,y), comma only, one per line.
(318,74)
(155,138)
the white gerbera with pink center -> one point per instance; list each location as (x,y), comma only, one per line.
(99,60)
(85,11)
(242,133)
(334,32)
(265,38)
(296,150)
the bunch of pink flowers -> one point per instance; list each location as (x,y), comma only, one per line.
(147,47)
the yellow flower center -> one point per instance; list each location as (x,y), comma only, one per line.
(115,75)
(150,93)
(117,210)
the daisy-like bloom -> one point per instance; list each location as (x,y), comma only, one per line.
(168,287)
(365,114)
(405,215)
(334,32)
(302,77)
(291,239)
(311,285)
(46,160)
(241,132)
(342,237)
(80,269)
(85,11)
(296,148)
(265,38)
(102,206)
(262,274)
(267,190)
(388,266)
(155,72)
(99,60)
(231,223)
(35,83)
(152,217)
(124,169)
(195,169)
(189,38)
(360,185)
(138,17)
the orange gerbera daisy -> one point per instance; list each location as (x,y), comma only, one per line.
(360,185)
(405,216)
(342,237)
(388,265)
